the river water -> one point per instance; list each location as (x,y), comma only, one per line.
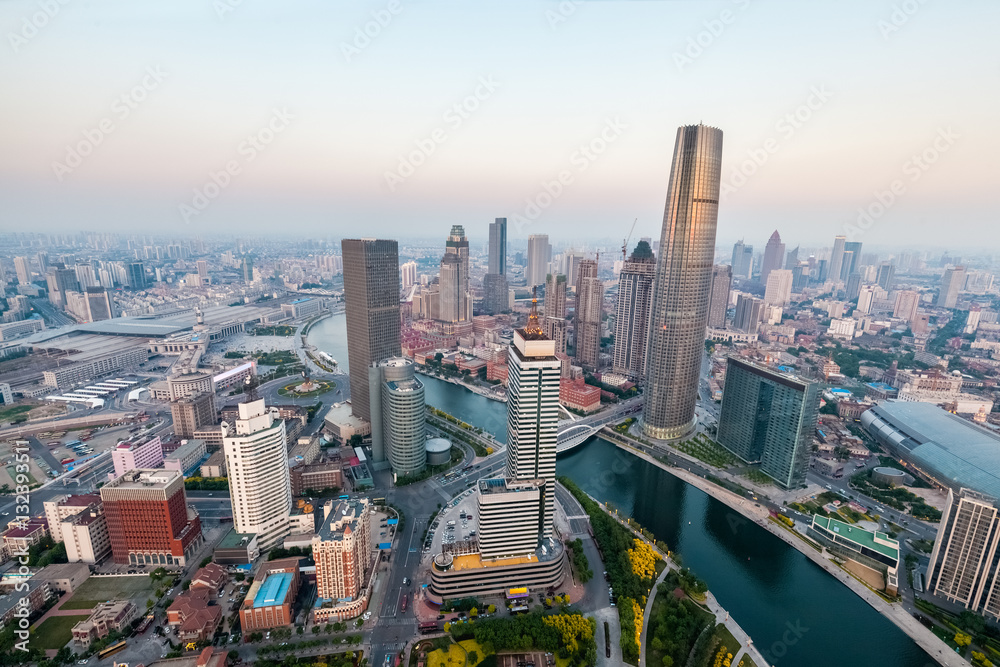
(796,613)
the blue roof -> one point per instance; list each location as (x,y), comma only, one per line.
(302,300)
(880,385)
(273,591)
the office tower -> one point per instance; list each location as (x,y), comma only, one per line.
(371,298)
(821,271)
(587,319)
(792,258)
(571,267)
(455,300)
(136,274)
(533,412)
(749,312)
(342,550)
(837,258)
(193,412)
(866,299)
(769,417)
(398,416)
(718,304)
(972,320)
(61,281)
(683,280)
(963,568)
(138,453)
(886,276)
(742,260)
(635,286)
(85,276)
(778,289)
(539,253)
(256,451)
(853,287)
(149,520)
(555,295)
(496,293)
(906,305)
(498,247)
(408,274)
(43,262)
(951,284)
(202,271)
(851,262)
(246,268)
(99,304)
(23,270)
(774,256)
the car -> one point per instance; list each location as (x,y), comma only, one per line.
(82,662)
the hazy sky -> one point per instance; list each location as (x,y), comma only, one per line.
(326,130)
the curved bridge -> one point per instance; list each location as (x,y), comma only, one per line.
(575,435)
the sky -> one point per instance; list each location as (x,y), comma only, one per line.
(873,119)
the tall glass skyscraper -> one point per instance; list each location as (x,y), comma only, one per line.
(498,247)
(682,284)
(769,417)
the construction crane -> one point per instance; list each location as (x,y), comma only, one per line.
(627,239)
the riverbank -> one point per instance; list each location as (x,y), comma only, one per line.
(455,381)
(922,636)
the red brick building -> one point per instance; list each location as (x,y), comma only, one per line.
(579,395)
(149,521)
(268,603)
(194,615)
(496,370)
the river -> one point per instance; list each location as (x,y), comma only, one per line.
(797,614)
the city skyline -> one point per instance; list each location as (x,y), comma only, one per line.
(328,161)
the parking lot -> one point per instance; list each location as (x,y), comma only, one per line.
(440,533)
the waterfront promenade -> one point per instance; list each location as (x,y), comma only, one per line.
(921,635)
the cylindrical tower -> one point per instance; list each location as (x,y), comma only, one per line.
(403,416)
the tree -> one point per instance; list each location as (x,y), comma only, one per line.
(473,657)
(205,561)
(233,656)
(962,639)
(492,608)
(447,626)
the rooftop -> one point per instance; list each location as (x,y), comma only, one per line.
(273,591)
(875,541)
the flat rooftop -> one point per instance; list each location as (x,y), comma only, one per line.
(273,591)
(872,540)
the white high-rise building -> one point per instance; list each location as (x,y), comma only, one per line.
(408,274)
(866,299)
(778,291)
(257,463)
(539,254)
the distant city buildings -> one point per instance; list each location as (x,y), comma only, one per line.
(635,287)
(742,260)
(683,280)
(778,290)
(774,257)
(951,284)
(769,417)
(587,319)
(455,300)
(539,255)
(718,304)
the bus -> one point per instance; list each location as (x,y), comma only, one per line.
(111,650)
(428,628)
(403,606)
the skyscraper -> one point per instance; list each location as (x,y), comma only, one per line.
(778,290)
(718,304)
(202,271)
(539,254)
(555,295)
(246,268)
(498,247)
(23,270)
(408,274)
(742,260)
(951,284)
(136,274)
(851,259)
(905,306)
(533,413)
(398,416)
(455,301)
(587,319)
(792,258)
(371,298)
(635,285)
(769,416)
(342,550)
(886,276)
(683,279)
(749,312)
(853,286)
(774,256)
(99,304)
(257,465)
(837,258)
(496,294)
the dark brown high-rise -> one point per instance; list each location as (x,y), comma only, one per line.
(371,296)
(682,283)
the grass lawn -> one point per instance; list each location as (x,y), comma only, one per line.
(757,477)
(55,632)
(99,589)
(14,411)
(707,451)
(746,661)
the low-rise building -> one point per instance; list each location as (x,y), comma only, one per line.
(236,549)
(874,550)
(194,615)
(64,577)
(215,466)
(107,617)
(578,395)
(185,459)
(268,603)
(23,534)
(211,576)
